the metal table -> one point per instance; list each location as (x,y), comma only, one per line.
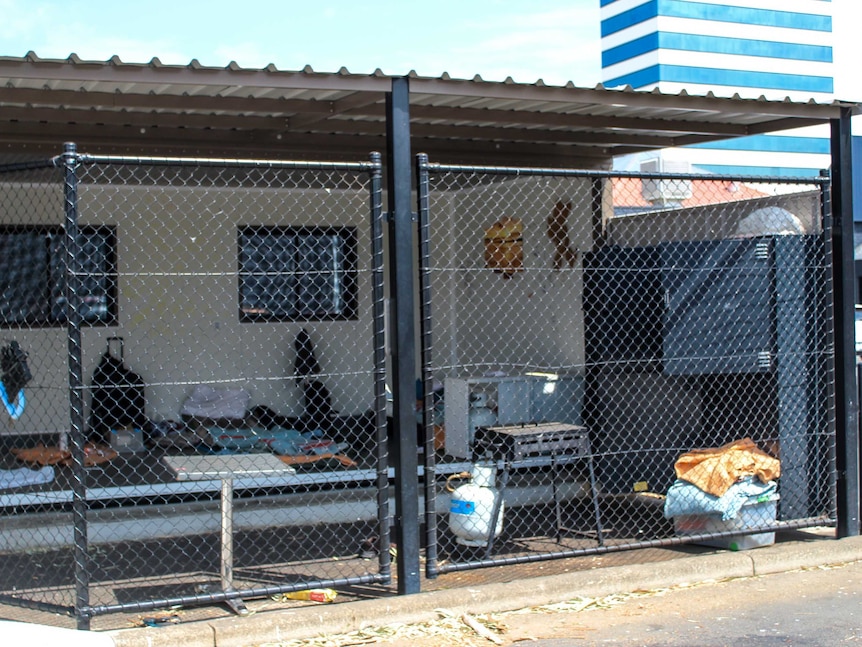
(511,443)
(226,468)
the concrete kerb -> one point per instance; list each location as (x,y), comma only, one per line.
(319,620)
(806,554)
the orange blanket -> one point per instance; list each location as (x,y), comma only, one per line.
(714,470)
(41,455)
(303,459)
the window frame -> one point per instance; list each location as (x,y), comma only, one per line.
(56,292)
(348,273)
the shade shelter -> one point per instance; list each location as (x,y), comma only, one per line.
(157,109)
(118,109)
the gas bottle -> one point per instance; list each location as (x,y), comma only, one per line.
(471,506)
(479,415)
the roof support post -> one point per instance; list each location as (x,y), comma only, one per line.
(844,291)
(403,342)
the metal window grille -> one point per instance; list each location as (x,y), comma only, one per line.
(301,274)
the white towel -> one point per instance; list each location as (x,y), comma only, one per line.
(25,476)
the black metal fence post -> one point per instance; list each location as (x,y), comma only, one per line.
(843,272)
(403,341)
(426,324)
(379,332)
(71,162)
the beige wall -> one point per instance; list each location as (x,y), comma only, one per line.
(47,395)
(178,304)
(532,320)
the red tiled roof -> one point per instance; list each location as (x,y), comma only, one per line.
(628,192)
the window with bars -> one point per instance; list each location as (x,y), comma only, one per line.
(33,275)
(297,273)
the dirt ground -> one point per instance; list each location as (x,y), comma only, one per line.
(784,608)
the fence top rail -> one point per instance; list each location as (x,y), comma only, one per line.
(373,164)
(27,166)
(586,173)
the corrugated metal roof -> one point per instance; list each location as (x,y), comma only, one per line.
(152,108)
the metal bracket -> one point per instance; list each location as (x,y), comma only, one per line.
(388,216)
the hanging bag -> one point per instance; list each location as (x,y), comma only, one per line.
(504,247)
(14,374)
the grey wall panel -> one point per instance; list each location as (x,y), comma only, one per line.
(719,306)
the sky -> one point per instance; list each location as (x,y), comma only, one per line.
(554,40)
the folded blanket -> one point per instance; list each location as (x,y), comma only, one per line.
(683,498)
(24,476)
(206,401)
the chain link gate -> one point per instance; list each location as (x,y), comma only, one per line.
(218,327)
(621,361)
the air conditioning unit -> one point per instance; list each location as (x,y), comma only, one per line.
(665,191)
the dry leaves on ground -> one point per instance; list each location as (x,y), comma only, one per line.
(460,629)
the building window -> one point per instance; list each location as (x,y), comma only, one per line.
(33,276)
(297,273)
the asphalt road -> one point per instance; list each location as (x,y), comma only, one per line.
(816,607)
(811,607)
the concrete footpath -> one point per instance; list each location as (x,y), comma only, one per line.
(312,621)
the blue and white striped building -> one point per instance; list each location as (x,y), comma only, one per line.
(772,48)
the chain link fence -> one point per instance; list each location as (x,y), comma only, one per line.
(194,372)
(613,361)
(204,417)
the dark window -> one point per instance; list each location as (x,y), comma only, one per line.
(33,276)
(297,273)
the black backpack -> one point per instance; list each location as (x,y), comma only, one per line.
(117,396)
(317,403)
